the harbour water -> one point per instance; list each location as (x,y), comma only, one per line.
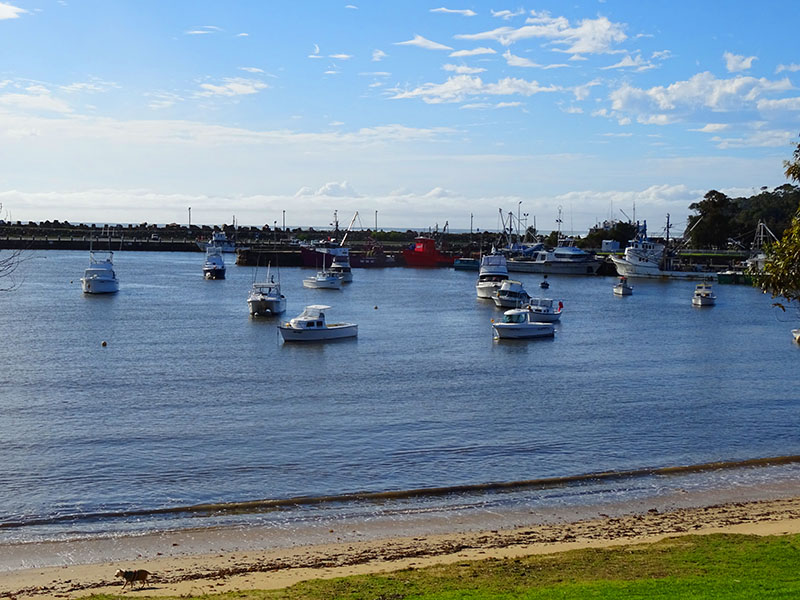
(193,402)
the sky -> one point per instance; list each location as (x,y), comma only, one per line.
(413,114)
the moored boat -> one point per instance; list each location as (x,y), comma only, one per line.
(492,274)
(214,265)
(341,267)
(796,335)
(424,253)
(621,288)
(466,263)
(545,309)
(220,240)
(703,296)
(565,259)
(311,326)
(265,298)
(511,294)
(323,280)
(521,323)
(99,277)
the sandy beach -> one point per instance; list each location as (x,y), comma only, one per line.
(232,570)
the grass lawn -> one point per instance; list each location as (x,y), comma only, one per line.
(708,566)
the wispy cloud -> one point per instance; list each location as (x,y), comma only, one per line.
(9,11)
(422,42)
(340,56)
(232,86)
(35,98)
(507,14)
(332,189)
(736,63)
(792,68)
(378,55)
(712,128)
(463,69)
(637,63)
(251,69)
(473,52)
(204,30)
(463,12)
(460,87)
(316,53)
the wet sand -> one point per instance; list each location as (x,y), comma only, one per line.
(181,566)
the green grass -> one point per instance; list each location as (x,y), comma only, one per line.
(690,567)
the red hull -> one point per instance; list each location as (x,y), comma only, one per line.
(425,254)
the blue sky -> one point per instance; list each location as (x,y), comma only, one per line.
(130,111)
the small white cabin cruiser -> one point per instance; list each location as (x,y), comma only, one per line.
(214,265)
(99,277)
(492,274)
(520,323)
(621,288)
(341,266)
(324,280)
(511,294)
(310,326)
(703,296)
(544,310)
(265,298)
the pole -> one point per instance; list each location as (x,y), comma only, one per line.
(284,220)
(376,220)
(190,217)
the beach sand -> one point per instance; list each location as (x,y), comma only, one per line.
(231,570)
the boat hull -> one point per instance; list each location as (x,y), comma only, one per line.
(626,269)
(796,335)
(623,290)
(266,307)
(487,289)
(331,332)
(92,285)
(214,273)
(703,301)
(518,331)
(327,284)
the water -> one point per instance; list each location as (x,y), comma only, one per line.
(192,402)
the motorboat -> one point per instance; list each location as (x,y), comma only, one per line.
(564,259)
(492,274)
(323,253)
(544,284)
(341,267)
(796,335)
(220,240)
(544,309)
(466,263)
(424,253)
(511,294)
(521,323)
(703,296)
(311,326)
(265,298)
(323,280)
(99,277)
(645,257)
(214,265)
(621,288)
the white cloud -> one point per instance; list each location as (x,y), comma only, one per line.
(636,63)
(736,63)
(316,53)
(232,86)
(757,139)
(242,35)
(162,100)
(36,99)
(508,104)
(251,69)
(378,55)
(341,56)
(460,87)
(351,6)
(473,52)
(518,61)
(792,68)
(463,12)
(507,14)
(712,128)
(333,189)
(589,36)
(423,43)
(204,30)
(462,69)
(9,11)
(784,104)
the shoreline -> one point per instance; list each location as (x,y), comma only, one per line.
(222,560)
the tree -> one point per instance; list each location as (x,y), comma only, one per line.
(781,274)
(8,264)
(711,227)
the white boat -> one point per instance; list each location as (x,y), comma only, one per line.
(520,323)
(703,296)
(310,326)
(220,240)
(341,266)
(323,280)
(796,335)
(511,294)
(99,277)
(265,297)
(544,309)
(564,259)
(493,272)
(621,288)
(644,257)
(214,265)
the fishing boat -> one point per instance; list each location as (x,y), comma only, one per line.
(99,277)
(521,323)
(325,252)
(703,296)
(621,288)
(323,280)
(341,266)
(265,297)
(311,326)
(511,294)
(220,240)
(424,253)
(214,265)
(492,274)
(645,257)
(544,309)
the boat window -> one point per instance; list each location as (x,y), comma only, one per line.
(319,323)
(310,324)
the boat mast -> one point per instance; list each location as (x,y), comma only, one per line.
(353,220)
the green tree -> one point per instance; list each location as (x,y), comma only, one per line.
(711,227)
(781,274)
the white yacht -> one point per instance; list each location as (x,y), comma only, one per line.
(493,272)
(311,326)
(265,298)
(621,288)
(340,265)
(520,323)
(544,309)
(214,265)
(564,259)
(703,296)
(219,239)
(323,280)
(99,277)
(511,294)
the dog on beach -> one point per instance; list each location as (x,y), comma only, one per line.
(131,577)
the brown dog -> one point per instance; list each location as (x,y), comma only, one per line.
(132,577)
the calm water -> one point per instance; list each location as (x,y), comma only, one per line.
(192,401)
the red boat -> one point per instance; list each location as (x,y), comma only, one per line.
(426,254)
